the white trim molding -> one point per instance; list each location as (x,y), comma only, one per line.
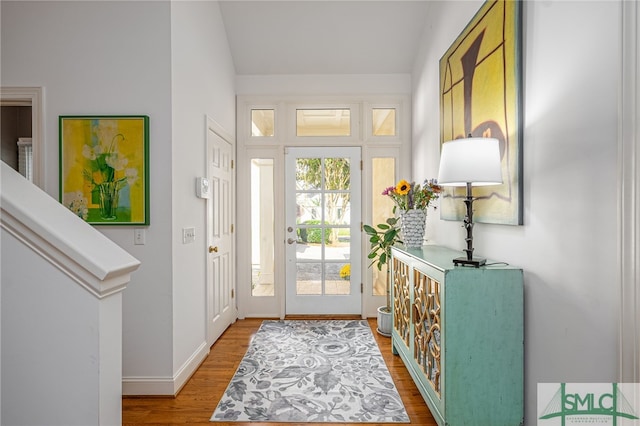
(629,195)
(166,386)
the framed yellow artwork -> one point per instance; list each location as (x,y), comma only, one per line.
(480,95)
(104,168)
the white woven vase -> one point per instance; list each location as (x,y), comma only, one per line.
(412,223)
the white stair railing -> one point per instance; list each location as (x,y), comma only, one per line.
(61,305)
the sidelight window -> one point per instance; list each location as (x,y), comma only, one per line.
(382,175)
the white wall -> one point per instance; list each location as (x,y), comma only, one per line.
(32,386)
(334,84)
(108,58)
(567,245)
(202,84)
(167,60)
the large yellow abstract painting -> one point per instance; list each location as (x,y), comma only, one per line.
(104,168)
(480,95)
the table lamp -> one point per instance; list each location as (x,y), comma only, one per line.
(470,162)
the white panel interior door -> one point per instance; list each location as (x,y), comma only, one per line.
(221,309)
(323,197)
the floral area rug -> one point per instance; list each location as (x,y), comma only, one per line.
(312,371)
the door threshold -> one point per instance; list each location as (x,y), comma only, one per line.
(323,317)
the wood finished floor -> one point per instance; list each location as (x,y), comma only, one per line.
(197,400)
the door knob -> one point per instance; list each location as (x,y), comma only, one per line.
(213,249)
(291,241)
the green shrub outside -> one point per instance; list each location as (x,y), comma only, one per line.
(312,235)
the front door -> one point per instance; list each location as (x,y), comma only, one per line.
(323,193)
(221,309)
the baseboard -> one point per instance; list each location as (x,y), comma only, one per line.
(323,317)
(147,386)
(165,386)
(185,372)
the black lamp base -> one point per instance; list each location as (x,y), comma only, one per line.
(476,262)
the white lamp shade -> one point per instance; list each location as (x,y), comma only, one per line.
(470,160)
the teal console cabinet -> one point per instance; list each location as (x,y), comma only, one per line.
(459,331)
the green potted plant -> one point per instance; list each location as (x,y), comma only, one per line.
(407,197)
(382,238)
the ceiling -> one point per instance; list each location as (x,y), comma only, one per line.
(323,37)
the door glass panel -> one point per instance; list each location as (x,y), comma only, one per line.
(337,243)
(309,279)
(308,174)
(308,208)
(337,173)
(262,122)
(318,241)
(323,122)
(334,283)
(308,246)
(337,208)
(384,121)
(262,227)
(383,176)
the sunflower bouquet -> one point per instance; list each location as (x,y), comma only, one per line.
(409,196)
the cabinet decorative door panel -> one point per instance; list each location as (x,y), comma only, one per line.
(427,346)
(401,300)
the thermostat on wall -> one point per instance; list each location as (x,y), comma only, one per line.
(203,189)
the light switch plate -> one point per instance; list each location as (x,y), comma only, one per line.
(188,235)
(139,236)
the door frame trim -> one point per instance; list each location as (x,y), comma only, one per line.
(629,197)
(284,107)
(30,96)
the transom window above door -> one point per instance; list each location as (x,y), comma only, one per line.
(263,122)
(383,121)
(319,122)
(323,122)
